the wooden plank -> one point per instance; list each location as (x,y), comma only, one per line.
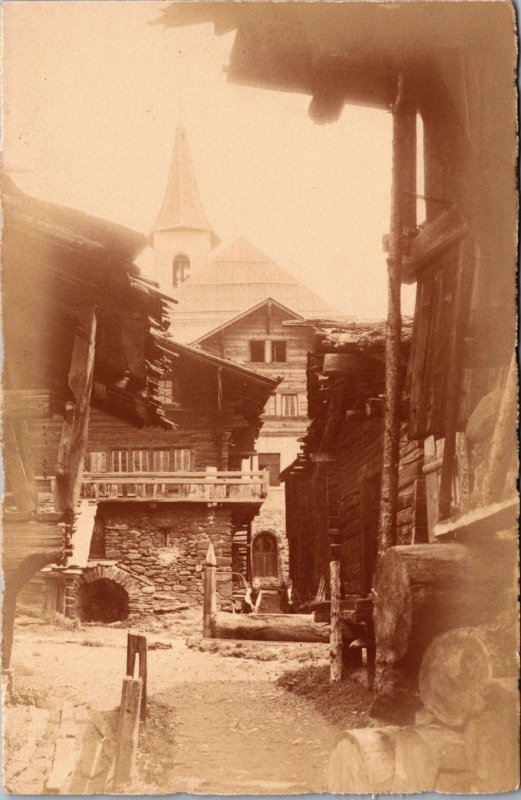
(65,756)
(434,239)
(128,732)
(73,442)
(18,465)
(137,649)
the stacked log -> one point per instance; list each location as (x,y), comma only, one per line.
(466,739)
(422,591)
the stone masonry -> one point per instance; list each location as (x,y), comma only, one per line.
(165,546)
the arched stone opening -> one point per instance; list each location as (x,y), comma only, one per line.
(103,600)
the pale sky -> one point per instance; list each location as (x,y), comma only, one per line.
(92,95)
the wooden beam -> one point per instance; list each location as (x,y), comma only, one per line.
(404,149)
(445,231)
(73,442)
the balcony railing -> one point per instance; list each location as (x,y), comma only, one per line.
(209,486)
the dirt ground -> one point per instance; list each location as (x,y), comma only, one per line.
(217,720)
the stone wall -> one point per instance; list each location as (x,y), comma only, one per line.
(166,547)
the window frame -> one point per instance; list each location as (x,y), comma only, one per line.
(284,399)
(255,342)
(279,343)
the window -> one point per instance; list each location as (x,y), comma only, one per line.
(271,461)
(140,461)
(278,352)
(289,405)
(257,351)
(181,269)
(166,392)
(96,462)
(181,460)
(264,553)
(120,461)
(159,461)
(270,409)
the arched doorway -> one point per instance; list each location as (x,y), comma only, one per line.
(265,556)
(102,600)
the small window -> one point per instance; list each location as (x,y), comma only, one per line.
(257,351)
(140,461)
(119,461)
(271,461)
(160,460)
(181,269)
(182,460)
(289,405)
(96,462)
(166,392)
(278,352)
(270,409)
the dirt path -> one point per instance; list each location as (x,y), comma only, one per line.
(217,724)
(237,737)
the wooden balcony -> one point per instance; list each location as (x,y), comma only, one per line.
(195,487)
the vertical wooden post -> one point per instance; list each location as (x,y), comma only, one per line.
(335,636)
(73,442)
(137,648)
(404,151)
(128,731)
(210,592)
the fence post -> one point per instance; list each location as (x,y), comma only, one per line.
(128,731)
(335,646)
(210,592)
(137,647)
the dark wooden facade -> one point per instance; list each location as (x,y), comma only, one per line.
(77,324)
(336,482)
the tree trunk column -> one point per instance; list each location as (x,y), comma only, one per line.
(403,202)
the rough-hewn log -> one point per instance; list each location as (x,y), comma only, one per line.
(422,591)
(492,742)
(424,753)
(269,627)
(458,669)
(363,762)
(335,645)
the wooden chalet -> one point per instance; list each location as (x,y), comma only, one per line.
(78,328)
(152,498)
(333,487)
(445,612)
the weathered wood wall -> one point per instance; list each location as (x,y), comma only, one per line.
(345,494)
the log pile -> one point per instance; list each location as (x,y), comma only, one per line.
(422,591)
(477,752)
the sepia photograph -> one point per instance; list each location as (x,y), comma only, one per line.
(259,397)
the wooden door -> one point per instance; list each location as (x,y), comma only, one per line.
(264,556)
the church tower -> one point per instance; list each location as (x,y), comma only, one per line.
(182,238)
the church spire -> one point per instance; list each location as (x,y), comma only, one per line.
(181,208)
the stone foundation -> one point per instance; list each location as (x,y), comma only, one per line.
(163,550)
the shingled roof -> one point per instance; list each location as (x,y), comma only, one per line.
(237,277)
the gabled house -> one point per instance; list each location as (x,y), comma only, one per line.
(153,500)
